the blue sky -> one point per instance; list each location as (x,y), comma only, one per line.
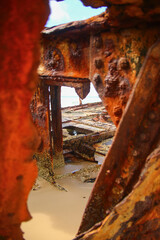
(70,10)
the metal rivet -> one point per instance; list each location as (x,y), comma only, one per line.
(98,63)
(97,79)
(98,42)
(123,64)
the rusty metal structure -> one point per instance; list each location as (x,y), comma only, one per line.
(125,194)
(119,52)
(92,50)
(62,64)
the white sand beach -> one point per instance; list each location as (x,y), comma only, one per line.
(56,214)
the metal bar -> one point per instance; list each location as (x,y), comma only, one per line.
(58,159)
(64,79)
(49,123)
(67,84)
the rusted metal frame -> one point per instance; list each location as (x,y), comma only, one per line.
(56,119)
(65,81)
(49,123)
(67,84)
(135,139)
(64,78)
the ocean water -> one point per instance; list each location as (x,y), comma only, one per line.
(70,98)
(67,101)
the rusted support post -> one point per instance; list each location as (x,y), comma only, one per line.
(58,159)
(49,122)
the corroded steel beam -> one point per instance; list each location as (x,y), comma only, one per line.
(62,79)
(56,127)
(97,49)
(82,86)
(49,123)
(136,138)
(137,216)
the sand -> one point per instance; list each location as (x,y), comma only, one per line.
(56,214)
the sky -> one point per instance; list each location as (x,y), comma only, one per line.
(70,10)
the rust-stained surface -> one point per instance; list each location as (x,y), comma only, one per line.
(137,216)
(112,56)
(40,119)
(56,126)
(64,56)
(135,139)
(119,58)
(116,45)
(21,23)
(62,64)
(92,50)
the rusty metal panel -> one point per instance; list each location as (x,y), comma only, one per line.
(65,56)
(135,139)
(110,58)
(116,59)
(56,127)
